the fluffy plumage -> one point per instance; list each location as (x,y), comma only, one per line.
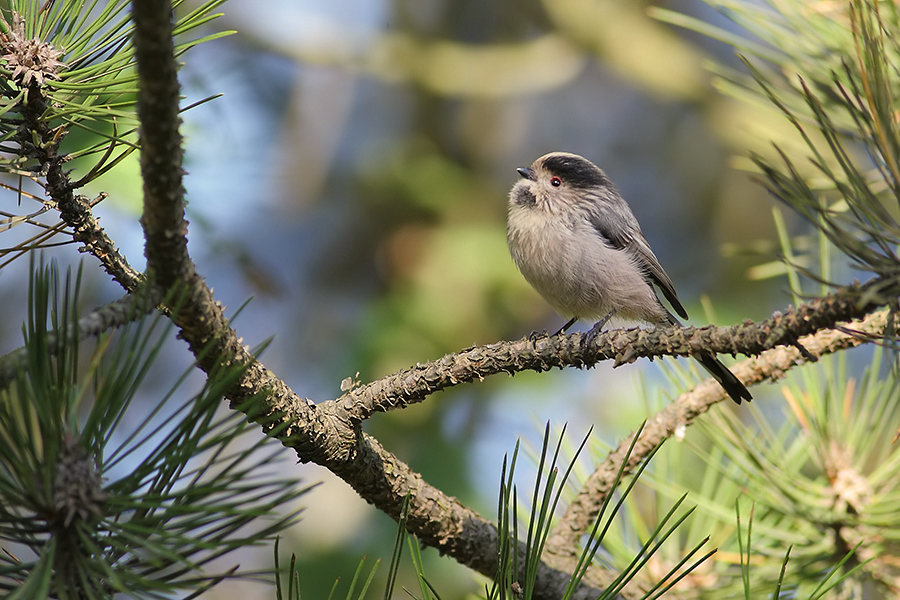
(576,241)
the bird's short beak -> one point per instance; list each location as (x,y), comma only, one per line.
(525,173)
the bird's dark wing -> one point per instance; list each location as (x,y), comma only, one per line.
(626,235)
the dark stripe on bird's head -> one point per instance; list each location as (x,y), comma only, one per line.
(575,171)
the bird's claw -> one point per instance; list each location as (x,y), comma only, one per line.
(536,335)
(591,335)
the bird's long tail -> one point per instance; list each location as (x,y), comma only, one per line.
(726,378)
(729,382)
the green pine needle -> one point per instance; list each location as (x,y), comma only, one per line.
(108,496)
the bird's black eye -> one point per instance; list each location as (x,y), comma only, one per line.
(555,181)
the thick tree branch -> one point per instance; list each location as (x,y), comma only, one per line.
(200,318)
(165,226)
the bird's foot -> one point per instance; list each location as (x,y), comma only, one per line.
(536,335)
(591,335)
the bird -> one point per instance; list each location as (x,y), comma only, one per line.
(575,240)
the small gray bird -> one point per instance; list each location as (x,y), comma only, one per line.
(577,243)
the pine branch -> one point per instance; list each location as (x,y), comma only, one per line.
(621,345)
(163,219)
(42,144)
(106,318)
(684,411)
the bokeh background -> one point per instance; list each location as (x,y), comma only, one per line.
(352,180)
